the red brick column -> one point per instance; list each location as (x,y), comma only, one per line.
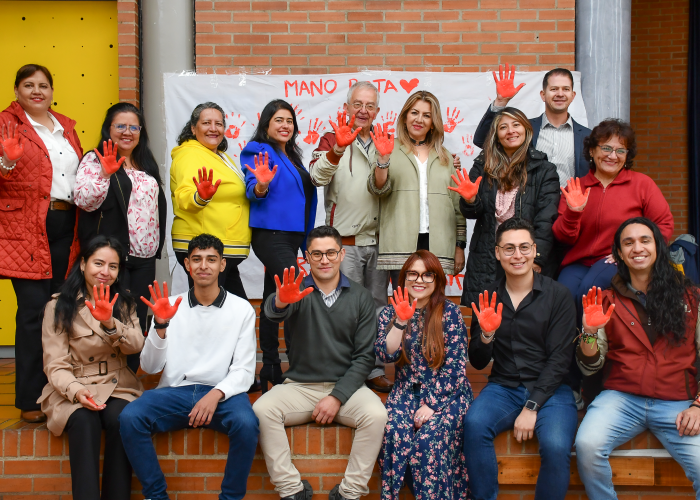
(127,18)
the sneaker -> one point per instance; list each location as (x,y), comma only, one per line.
(304,494)
(335,494)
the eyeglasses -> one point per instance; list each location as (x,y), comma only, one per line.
(120,127)
(508,250)
(316,256)
(357,106)
(427,277)
(609,149)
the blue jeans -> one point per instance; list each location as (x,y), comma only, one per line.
(494,411)
(616,417)
(167,409)
(579,279)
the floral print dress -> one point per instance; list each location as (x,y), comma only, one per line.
(433,452)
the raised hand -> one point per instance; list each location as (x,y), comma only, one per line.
(383,141)
(505,88)
(465,187)
(575,198)
(261,171)
(288,291)
(161,307)
(489,318)
(109,160)
(102,310)
(344,136)
(402,304)
(593,316)
(12,146)
(205,189)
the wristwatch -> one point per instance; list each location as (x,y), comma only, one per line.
(462,244)
(400,327)
(531,405)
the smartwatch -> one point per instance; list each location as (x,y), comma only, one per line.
(531,405)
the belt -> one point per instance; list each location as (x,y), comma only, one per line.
(60,205)
(98,368)
(348,241)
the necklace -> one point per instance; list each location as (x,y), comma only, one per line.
(418,143)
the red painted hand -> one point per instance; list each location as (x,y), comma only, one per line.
(12,146)
(343,133)
(402,304)
(92,402)
(383,141)
(205,188)
(288,291)
(575,198)
(161,307)
(102,310)
(452,120)
(465,187)
(489,318)
(313,135)
(109,160)
(505,87)
(261,171)
(593,309)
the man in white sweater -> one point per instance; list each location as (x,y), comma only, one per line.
(207,355)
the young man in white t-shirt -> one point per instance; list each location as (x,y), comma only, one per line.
(207,355)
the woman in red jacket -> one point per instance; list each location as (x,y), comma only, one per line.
(40,156)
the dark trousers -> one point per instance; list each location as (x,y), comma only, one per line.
(138,274)
(84,430)
(422,244)
(277,250)
(32,296)
(230,279)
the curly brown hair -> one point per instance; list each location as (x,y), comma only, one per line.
(604,131)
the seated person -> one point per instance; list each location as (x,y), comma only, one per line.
(427,339)
(207,355)
(648,342)
(531,354)
(333,321)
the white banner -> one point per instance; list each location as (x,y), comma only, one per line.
(464,97)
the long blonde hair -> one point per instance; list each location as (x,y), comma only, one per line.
(436,135)
(508,172)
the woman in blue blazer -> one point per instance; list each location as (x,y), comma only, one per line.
(282,212)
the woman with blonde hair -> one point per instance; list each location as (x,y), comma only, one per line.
(520,182)
(417,210)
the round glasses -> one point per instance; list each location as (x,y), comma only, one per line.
(427,277)
(508,250)
(357,106)
(316,256)
(609,149)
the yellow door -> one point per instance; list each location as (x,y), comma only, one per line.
(77,41)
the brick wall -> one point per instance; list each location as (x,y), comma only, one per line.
(659,98)
(128,29)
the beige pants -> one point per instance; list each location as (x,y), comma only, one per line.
(292,403)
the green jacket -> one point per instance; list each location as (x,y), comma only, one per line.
(399,210)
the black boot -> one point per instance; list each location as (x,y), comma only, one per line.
(270,373)
(304,494)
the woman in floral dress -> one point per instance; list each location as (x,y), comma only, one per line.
(425,335)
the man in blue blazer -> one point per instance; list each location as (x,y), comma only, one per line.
(555,132)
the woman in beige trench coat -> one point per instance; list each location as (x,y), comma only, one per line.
(89,328)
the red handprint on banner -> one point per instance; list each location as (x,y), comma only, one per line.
(301,262)
(234,130)
(297,110)
(253,124)
(240,147)
(389,119)
(468,148)
(457,279)
(313,134)
(452,122)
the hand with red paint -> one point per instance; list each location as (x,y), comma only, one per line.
(465,187)
(344,136)
(575,199)
(383,141)
(505,88)
(12,147)
(262,173)
(162,309)
(489,317)
(593,317)
(109,160)
(288,291)
(452,120)
(84,397)
(402,305)
(206,189)
(102,310)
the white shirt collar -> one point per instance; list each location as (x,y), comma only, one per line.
(546,122)
(57,127)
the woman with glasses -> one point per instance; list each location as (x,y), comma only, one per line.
(593,207)
(518,181)
(119,188)
(424,334)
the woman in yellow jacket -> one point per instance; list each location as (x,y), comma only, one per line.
(208,193)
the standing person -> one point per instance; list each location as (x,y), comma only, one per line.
(86,339)
(427,339)
(206,351)
(554,132)
(282,212)
(530,339)
(342,163)
(118,187)
(645,331)
(40,156)
(509,178)
(333,320)
(208,194)
(412,183)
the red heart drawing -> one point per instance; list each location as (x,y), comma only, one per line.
(408,86)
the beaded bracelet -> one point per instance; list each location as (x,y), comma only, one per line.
(2,164)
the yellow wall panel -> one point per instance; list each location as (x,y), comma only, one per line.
(77,41)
